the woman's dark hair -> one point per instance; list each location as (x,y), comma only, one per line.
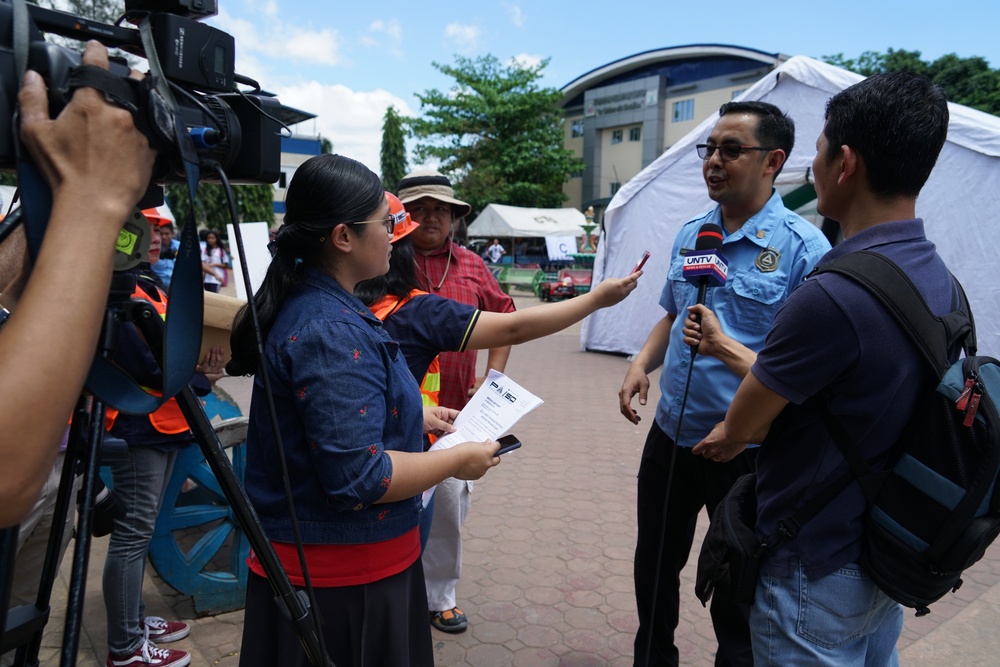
(399,281)
(325,191)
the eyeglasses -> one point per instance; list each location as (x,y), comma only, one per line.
(727,152)
(388,222)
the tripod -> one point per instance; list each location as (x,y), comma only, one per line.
(24,625)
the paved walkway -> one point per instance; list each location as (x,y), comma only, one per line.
(548,547)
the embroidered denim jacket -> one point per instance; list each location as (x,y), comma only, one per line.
(344,397)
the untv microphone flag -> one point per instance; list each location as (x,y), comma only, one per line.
(705,264)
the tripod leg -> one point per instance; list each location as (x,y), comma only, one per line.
(58,540)
(8,552)
(81,553)
(294,604)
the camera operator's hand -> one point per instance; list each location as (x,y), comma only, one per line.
(98,165)
(91,149)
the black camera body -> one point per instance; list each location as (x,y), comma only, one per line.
(239,131)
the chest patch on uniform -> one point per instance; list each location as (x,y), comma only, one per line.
(767,260)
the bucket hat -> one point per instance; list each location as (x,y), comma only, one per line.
(430,183)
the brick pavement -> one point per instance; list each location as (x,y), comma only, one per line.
(548,547)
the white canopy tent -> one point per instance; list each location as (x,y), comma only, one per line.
(960,205)
(501,221)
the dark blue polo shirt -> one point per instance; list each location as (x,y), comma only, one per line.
(833,339)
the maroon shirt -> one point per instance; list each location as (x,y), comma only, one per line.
(467,281)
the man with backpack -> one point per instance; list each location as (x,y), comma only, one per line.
(835,347)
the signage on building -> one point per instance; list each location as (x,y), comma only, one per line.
(619,102)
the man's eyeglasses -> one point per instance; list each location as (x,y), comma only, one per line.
(388,222)
(728,152)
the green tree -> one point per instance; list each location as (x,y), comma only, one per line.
(497,133)
(105,11)
(254,203)
(969,81)
(393,158)
(325,145)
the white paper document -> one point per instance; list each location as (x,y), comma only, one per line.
(497,405)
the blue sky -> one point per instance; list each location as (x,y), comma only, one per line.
(348,61)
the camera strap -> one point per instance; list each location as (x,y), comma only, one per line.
(182,332)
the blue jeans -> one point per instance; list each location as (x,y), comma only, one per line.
(840,619)
(140,480)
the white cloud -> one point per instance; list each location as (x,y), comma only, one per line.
(282,40)
(515,13)
(351,119)
(465,37)
(265,7)
(527,60)
(386,34)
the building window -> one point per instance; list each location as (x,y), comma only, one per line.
(615,187)
(737,93)
(616,136)
(576,174)
(576,128)
(287,171)
(635,134)
(683,110)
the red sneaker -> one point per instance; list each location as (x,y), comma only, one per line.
(148,655)
(163,632)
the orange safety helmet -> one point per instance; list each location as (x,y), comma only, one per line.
(403,224)
(157,216)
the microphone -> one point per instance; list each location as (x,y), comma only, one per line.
(705,266)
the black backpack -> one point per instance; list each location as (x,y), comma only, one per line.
(933,512)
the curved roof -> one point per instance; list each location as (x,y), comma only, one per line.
(647,62)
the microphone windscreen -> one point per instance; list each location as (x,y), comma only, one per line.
(709,237)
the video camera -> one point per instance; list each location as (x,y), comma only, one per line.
(238,130)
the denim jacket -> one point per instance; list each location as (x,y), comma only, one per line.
(343,397)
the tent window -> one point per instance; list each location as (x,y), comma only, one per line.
(683,110)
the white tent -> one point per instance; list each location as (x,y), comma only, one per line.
(501,221)
(960,205)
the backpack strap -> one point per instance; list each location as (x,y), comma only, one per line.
(935,337)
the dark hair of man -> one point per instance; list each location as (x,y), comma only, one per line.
(399,281)
(325,191)
(774,127)
(897,123)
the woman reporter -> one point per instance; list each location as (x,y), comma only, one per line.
(350,417)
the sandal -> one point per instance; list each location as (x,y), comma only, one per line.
(449,620)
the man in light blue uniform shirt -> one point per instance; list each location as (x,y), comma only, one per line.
(769,250)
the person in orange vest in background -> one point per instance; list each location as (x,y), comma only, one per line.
(169,247)
(426,324)
(140,479)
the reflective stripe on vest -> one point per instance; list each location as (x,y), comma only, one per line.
(168,418)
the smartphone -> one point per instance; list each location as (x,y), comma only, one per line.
(508,443)
(641,262)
